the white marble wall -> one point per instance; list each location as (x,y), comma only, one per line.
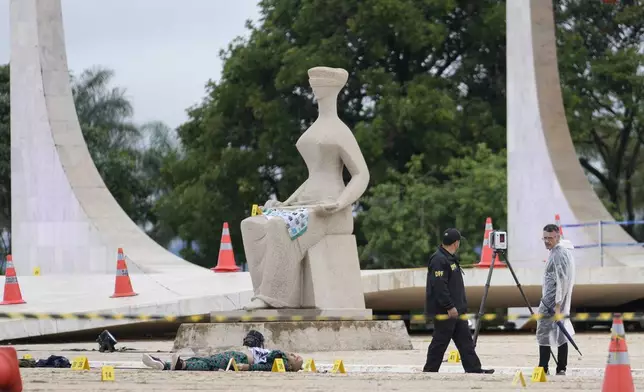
(64,220)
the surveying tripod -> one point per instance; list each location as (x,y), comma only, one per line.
(479,316)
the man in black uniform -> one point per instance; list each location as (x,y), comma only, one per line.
(445,295)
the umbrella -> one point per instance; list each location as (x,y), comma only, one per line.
(563,330)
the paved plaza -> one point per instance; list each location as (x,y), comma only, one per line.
(366,370)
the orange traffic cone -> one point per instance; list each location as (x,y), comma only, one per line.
(12,294)
(486,251)
(618,327)
(226,260)
(122,285)
(618,376)
(10,380)
(558,223)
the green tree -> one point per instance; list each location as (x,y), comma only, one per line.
(128,157)
(408,214)
(159,146)
(426,79)
(105,118)
(601,61)
(5,163)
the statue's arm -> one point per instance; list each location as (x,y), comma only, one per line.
(354,161)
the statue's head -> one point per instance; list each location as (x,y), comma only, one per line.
(327,81)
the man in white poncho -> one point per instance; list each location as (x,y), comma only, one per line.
(556,295)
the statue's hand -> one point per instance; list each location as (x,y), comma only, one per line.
(326,209)
(272,204)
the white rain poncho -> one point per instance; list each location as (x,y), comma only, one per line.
(557,285)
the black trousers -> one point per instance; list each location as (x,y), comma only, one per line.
(444,331)
(562,357)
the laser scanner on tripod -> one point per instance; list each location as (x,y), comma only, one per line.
(499,240)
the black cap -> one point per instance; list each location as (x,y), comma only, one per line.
(450,236)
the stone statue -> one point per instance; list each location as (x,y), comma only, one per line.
(319,212)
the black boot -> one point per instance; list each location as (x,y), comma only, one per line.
(562,359)
(544,357)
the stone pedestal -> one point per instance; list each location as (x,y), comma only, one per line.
(261,315)
(295,336)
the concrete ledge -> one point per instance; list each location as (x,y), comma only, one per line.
(296,336)
(289,314)
(596,286)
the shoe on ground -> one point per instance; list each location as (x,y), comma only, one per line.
(176,363)
(561,373)
(153,362)
(483,371)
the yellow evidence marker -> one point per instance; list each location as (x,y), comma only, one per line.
(538,375)
(36,271)
(454,357)
(338,366)
(256,210)
(27,356)
(232,363)
(107,373)
(309,366)
(278,366)
(518,379)
(80,363)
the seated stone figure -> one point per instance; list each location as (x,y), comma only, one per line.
(276,242)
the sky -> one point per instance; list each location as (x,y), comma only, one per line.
(163,52)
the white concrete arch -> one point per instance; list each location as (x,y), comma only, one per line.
(64,219)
